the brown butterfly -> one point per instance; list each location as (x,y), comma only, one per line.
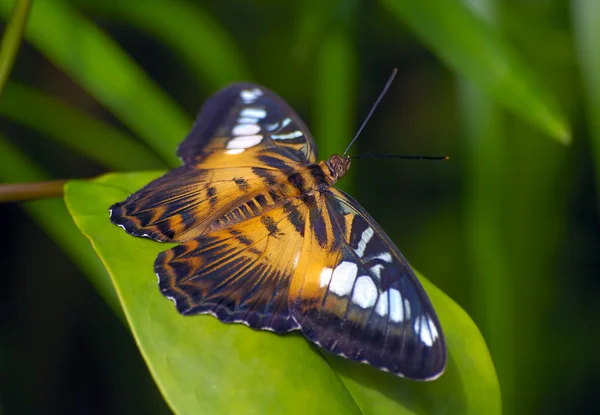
(266,240)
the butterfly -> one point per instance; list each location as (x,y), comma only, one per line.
(265,239)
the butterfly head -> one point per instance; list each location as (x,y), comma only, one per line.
(338,166)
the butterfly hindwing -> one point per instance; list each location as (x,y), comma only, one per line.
(241,117)
(356,296)
(238,274)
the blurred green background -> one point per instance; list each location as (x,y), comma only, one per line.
(509,227)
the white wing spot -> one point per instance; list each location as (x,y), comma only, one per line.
(246,129)
(423,325)
(365,292)
(376,269)
(234,151)
(289,136)
(285,122)
(406,308)
(121,226)
(246,120)
(385,256)
(253,113)
(396,309)
(325,276)
(249,96)
(364,240)
(343,278)
(382,304)
(271,127)
(433,329)
(244,141)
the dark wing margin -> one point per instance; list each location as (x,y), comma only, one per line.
(245,115)
(366,303)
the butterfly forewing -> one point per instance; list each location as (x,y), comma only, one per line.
(240,146)
(244,116)
(182,204)
(356,296)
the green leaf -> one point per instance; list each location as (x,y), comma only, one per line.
(11,39)
(204,366)
(486,190)
(313,20)
(101,67)
(479,52)
(587,32)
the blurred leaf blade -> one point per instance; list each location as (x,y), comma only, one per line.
(11,39)
(335,95)
(477,51)
(217,62)
(198,361)
(75,129)
(587,33)
(54,218)
(485,201)
(313,21)
(100,66)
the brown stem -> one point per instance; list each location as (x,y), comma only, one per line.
(20,192)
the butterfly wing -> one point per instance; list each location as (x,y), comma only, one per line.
(241,273)
(185,202)
(244,116)
(244,141)
(355,295)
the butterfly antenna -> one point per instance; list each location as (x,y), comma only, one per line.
(387,86)
(394,156)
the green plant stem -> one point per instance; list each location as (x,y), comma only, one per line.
(20,192)
(9,46)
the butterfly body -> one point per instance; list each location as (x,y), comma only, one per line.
(267,240)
